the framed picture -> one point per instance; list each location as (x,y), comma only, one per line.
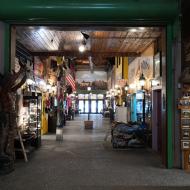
(157,65)
(185,134)
(185,145)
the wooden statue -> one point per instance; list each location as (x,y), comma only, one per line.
(8,87)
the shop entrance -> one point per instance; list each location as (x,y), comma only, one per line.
(78,71)
(90,106)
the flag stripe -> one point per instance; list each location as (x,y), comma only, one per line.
(71,81)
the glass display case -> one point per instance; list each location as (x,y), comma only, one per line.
(32,120)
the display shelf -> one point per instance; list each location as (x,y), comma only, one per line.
(184,107)
(34,116)
(185,126)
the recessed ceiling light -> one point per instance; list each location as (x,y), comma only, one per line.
(142,28)
(133,30)
(31,27)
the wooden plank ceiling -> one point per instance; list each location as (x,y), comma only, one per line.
(101,44)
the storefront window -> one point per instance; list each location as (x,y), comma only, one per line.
(81,106)
(100,96)
(86,107)
(86,96)
(93,96)
(93,106)
(100,106)
(81,96)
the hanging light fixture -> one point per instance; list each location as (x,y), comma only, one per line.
(142,80)
(85,36)
(82,48)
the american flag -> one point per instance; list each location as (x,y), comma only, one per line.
(71,81)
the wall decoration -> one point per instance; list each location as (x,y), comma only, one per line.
(88,76)
(157,70)
(185,134)
(138,66)
(38,67)
(95,85)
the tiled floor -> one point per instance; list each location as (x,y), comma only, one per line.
(84,160)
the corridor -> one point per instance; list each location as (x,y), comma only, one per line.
(85,160)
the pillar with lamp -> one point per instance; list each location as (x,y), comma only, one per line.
(89,123)
(142,81)
(118,92)
(126,88)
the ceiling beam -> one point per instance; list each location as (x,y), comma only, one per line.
(85,54)
(87,67)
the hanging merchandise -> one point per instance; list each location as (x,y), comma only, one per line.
(60,60)
(47,105)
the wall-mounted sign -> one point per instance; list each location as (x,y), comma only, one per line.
(157,67)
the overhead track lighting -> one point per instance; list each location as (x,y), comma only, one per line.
(86,36)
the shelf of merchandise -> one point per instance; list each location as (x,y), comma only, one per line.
(34,119)
(184,107)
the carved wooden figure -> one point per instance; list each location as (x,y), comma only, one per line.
(8,87)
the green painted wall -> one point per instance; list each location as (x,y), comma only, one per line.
(87,10)
(169,97)
(173,30)
(99,11)
(7,48)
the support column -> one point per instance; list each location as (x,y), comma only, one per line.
(4,47)
(177,69)
(169,96)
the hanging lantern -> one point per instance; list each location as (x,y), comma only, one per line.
(142,80)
